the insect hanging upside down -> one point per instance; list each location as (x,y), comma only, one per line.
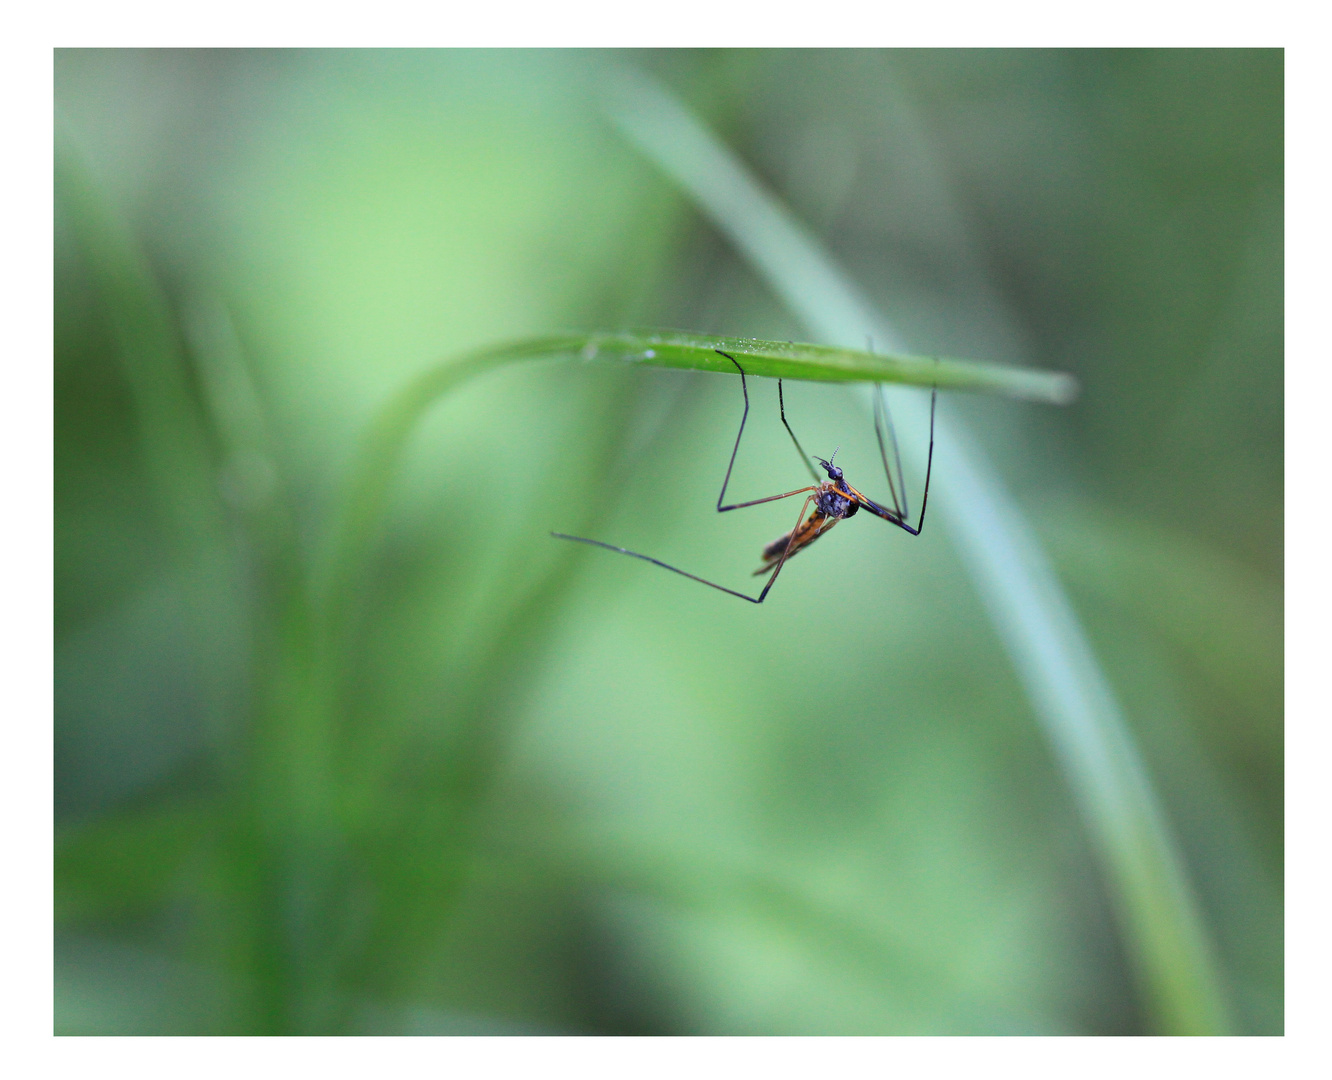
(834,499)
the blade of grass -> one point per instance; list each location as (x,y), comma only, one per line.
(436,835)
(1070,694)
(172,437)
(829,363)
(275,860)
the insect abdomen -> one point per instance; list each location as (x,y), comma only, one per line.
(775,549)
(807,533)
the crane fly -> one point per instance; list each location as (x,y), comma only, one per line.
(833,499)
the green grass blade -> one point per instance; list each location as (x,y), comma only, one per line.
(828,363)
(171,434)
(1069,692)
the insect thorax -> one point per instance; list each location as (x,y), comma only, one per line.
(834,504)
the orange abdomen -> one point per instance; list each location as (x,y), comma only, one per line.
(808,530)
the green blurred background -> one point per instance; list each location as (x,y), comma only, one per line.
(553,790)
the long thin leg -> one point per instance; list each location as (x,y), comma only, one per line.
(694,577)
(786,554)
(881,410)
(781,406)
(892,516)
(929,464)
(735,449)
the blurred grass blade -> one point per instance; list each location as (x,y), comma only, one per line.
(174,442)
(1070,694)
